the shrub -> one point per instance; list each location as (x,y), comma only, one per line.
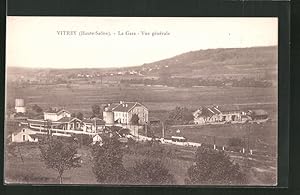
(151,172)
(235,142)
(214,167)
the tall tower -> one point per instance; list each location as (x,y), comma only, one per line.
(20,106)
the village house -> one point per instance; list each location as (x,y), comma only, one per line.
(233,114)
(55,115)
(62,120)
(219,115)
(122,113)
(116,114)
(65,123)
(25,135)
(93,125)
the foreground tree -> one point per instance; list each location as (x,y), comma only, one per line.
(107,161)
(96,111)
(214,167)
(135,119)
(82,139)
(79,115)
(60,156)
(181,115)
(37,108)
(151,172)
(124,131)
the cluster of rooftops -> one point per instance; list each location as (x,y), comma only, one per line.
(229,109)
(207,111)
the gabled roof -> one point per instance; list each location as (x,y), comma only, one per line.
(110,107)
(57,111)
(126,106)
(62,110)
(213,110)
(216,109)
(27,131)
(66,120)
(206,111)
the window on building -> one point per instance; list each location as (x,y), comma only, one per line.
(24,137)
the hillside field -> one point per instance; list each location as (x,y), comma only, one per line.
(157,98)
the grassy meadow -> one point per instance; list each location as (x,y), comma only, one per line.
(31,170)
(80,97)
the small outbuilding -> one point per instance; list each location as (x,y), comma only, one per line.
(25,135)
(258,114)
(97,139)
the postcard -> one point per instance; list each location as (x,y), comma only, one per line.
(171,101)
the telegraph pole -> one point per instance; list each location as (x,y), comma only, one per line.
(47,127)
(163,129)
(214,140)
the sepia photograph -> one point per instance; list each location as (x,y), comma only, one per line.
(138,101)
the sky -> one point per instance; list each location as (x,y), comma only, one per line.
(36,42)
